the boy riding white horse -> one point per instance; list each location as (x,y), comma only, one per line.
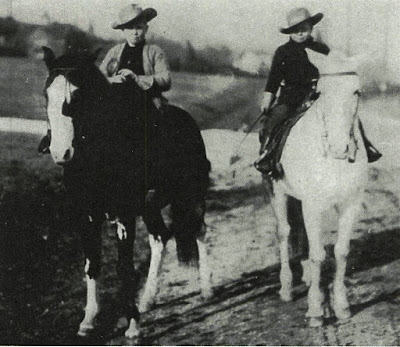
(295,77)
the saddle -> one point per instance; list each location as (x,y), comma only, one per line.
(269,161)
(273,150)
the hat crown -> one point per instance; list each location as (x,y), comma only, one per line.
(129,12)
(134,14)
(297,15)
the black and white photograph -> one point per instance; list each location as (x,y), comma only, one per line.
(199,172)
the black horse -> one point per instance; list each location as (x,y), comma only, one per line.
(122,158)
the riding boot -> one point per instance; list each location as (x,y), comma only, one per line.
(372,152)
(264,162)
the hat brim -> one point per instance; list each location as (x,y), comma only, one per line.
(313,20)
(147,15)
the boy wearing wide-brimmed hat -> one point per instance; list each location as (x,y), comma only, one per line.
(296,76)
(136,60)
(292,72)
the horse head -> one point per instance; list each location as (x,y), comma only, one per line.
(340,88)
(70,75)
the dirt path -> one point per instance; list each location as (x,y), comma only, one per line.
(246,309)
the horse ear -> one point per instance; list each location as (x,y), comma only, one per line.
(48,57)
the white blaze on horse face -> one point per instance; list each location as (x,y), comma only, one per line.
(341,100)
(62,129)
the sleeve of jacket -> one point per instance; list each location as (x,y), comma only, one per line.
(161,79)
(276,74)
(109,65)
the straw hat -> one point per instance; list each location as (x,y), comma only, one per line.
(299,16)
(133,14)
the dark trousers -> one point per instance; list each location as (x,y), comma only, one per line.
(276,117)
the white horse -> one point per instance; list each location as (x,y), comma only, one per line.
(325,165)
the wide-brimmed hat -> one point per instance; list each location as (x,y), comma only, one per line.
(299,16)
(132,14)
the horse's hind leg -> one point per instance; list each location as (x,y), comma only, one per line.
(279,204)
(189,230)
(91,241)
(148,298)
(312,219)
(342,249)
(158,237)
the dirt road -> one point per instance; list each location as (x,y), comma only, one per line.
(246,309)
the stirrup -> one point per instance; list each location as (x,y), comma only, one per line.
(373,154)
(44,145)
(263,163)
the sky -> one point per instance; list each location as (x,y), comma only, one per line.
(239,24)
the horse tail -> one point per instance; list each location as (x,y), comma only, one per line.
(188,225)
(186,250)
(188,171)
(188,208)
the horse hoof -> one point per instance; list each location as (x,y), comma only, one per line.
(328,313)
(121,324)
(85,330)
(132,334)
(343,314)
(316,322)
(306,280)
(133,331)
(286,296)
(207,294)
(146,306)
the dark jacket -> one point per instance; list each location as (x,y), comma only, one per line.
(292,66)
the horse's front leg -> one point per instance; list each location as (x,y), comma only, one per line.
(312,219)
(125,229)
(279,204)
(91,242)
(204,269)
(342,249)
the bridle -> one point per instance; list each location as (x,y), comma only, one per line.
(67,92)
(321,115)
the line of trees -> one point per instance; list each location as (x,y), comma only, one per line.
(184,57)
(23,39)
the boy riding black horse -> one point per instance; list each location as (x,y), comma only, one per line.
(136,63)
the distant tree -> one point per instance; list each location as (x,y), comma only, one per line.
(219,59)
(194,62)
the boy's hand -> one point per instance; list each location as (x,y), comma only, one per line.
(266,102)
(117,79)
(127,74)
